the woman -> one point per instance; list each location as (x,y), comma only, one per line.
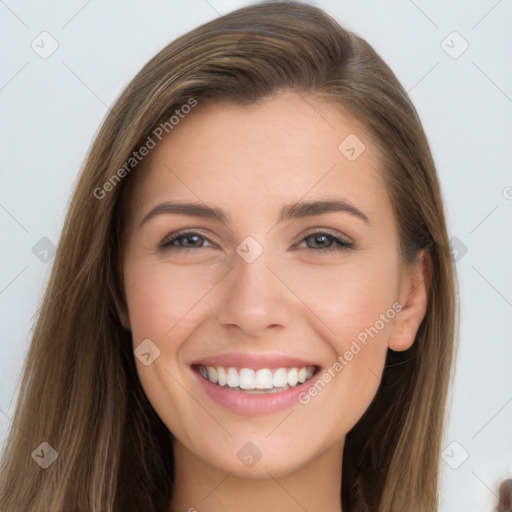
(253,294)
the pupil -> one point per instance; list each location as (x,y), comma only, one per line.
(191,239)
(321,239)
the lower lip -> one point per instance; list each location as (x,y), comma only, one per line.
(249,404)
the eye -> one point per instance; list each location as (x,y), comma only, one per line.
(321,241)
(184,241)
(325,242)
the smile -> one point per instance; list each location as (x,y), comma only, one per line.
(254,384)
(257,381)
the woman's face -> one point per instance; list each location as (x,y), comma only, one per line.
(281,266)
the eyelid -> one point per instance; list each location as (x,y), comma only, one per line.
(339,240)
(326,231)
(169,239)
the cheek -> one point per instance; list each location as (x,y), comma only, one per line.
(160,297)
(353,307)
(164,303)
(351,297)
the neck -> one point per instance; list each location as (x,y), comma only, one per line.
(315,487)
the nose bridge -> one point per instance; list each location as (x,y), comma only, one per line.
(253,297)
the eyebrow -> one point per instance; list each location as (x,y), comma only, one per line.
(296,210)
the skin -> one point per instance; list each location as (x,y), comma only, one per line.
(250,161)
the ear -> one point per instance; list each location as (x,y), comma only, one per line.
(122,313)
(413,297)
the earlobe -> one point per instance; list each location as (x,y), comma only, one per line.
(122,314)
(414,298)
(125,322)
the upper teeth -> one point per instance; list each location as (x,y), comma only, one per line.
(262,378)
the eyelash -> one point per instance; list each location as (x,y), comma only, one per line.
(167,244)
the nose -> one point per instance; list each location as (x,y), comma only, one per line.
(255,297)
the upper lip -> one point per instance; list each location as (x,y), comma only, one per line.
(253,360)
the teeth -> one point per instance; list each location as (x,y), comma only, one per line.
(303,375)
(247,379)
(293,377)
(221,376)
(260,379)
(264,379)
(232,378)
(212,374)
(279,380)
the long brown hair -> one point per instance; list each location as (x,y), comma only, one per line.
(80,392)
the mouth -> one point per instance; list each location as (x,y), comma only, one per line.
(254,384)
(256,381)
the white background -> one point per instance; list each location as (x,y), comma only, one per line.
(52,108)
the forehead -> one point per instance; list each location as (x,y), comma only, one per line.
(266,154)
